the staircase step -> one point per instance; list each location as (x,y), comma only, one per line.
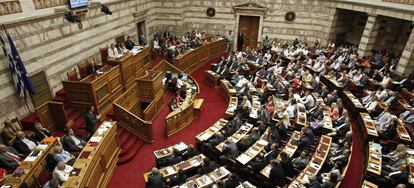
(124,137)
(130,154)
(127,145)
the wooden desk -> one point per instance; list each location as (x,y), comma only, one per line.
(32,169)
(186,165)
(355,104)
(98,90)
(179,119)
(207,179)
(192,59)
(327,121)
(301,117)
(212,130)
(151,91)
(402,132)
(254,111)
(332,83)
(315,164)
(374,159)
(232,106)
(289,149)
(132,65)
(280,104)
(98,160)
(227,88)
(237,136)
(369,125)
(367,184)
(165,152)
(211,78)
(253,150)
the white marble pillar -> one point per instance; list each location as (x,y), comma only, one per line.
(406,64)
(369,35)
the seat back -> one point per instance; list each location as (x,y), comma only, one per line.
(83,68)
(72,75)
(104,54)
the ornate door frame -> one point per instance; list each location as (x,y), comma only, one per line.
(249,9)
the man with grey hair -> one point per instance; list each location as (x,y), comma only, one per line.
(155,179)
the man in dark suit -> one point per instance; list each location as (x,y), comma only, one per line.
(129,44)
(41,132)
(258,164)
(177,179)
(190,152)
(207,167)
(22,144)
(270,155)
(232,182)
(173,159)
(305,141)
(9,158)
(91,120)
(276,176)
(155,179)
(287,164)
(240,41)
(71,142)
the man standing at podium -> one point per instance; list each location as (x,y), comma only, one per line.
(90,120)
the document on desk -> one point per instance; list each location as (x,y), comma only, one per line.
(204,136)
(243,158)
(180,146)
(170,170)
(33,156)
(41,146)
(96,139)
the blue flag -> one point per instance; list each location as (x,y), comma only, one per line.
(17,69)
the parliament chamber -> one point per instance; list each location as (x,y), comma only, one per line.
(207,93)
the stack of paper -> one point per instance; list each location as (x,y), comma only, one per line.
(96,139)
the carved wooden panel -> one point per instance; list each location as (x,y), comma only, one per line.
(41,4)
(10,7)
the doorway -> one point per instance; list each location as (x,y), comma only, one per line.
(141,31)
(249,26)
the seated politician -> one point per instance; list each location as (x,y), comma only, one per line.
(41,132)
(129,44)
(9,158)
(71,142)
(24,145)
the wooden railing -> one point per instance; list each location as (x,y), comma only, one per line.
(133,123)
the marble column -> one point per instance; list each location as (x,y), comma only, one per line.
(406,64)
(369,35)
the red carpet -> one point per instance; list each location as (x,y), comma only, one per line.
(131,173)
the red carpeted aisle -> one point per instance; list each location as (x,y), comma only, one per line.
(130,174)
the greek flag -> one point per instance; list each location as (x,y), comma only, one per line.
(19,74)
